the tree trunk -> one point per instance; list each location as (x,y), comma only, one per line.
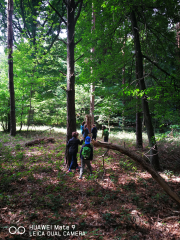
(123,82)
(138,119)
(92,104)
(71,117)
(88,122)
(29,112)
(138,130)
(141,161)
(10,71)
(150,131)
(92,84)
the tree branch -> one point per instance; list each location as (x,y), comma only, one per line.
(77,3)
(55,38)
(62,41)
(78,41)
(79,10)
(65,2)
(23,17)
(79,58)
(62,73)
(155,64)
(62,19)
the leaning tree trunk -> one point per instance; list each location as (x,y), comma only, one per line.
(147,117)
(141,161)
(10,71)
(71,117)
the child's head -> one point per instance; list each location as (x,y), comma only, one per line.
(103,127)
(94,125)
(85,126)
(87,140)
(83,123)
(75,134)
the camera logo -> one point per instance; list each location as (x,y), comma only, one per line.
(20,230)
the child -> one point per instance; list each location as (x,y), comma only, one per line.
(86,131)
(86,155)
(82,127)
(73,149)
(105,133)
(94,132)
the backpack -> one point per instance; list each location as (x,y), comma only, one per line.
(86,153)
(106,133)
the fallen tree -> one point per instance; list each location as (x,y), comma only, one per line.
(141,161)
(39,141)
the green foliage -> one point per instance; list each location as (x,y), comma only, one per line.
(108,61)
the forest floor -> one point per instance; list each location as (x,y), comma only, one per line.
(121,201)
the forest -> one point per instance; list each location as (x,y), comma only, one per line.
(115,64)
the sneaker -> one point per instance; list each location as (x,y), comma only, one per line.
(80,177)
(69,171)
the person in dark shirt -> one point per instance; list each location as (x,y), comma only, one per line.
(94,132)
(85,160)
(86,132)
(73,149)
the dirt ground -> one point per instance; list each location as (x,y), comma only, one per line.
(39,199)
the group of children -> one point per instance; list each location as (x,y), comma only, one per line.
(85,131)
(86,153)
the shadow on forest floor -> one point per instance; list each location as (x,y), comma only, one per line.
(121,201)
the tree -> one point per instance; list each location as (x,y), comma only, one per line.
(71,116)
(154,39)
(140,74)
(73,13)
(92,84)
(142,162)
(4,93)
(10,72)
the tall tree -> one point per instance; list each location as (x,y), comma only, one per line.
(150,131)
(71,22)
(138,117)
(73,13)
(10,72)
(92,84)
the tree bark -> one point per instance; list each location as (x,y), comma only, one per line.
(40,141)
(147,117)
(141,161)
(71,117)
(138,130)
(92,84)
(71,22)
(139,140)
(10,71)
(92,104)
(88,122)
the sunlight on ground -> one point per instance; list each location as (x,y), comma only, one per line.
(40,128)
